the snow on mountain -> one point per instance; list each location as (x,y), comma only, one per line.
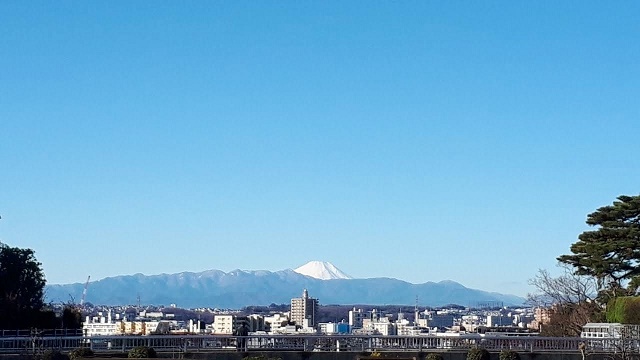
(321,270)
(239,288)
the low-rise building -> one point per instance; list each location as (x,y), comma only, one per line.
(224,324)
(499,320)
(331,328)
(602,331)
(275,321)
(100,326)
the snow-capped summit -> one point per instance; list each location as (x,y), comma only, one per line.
(321,270)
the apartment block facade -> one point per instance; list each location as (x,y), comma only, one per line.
(304,310)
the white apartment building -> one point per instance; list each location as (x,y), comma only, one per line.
(603,330)
(100,325)
(224,324)
(383,327)
(328,328)
(405,327)
(100,329)
(275,321)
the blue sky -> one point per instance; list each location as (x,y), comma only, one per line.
(421,140)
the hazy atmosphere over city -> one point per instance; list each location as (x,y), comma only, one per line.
(416,140)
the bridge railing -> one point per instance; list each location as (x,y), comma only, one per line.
(40,332)
(353,343)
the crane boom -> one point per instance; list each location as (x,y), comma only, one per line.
(84,292)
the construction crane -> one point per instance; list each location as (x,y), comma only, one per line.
(84,292)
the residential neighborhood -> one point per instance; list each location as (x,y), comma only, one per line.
(302,318)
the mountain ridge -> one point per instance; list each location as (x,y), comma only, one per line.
(236,289)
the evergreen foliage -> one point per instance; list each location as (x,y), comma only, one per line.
(21,288)
(624,310)
(71,318)
(611,253)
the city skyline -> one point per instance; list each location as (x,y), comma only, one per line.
(422,141)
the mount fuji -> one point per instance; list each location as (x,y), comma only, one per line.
(239,288)
(321,270)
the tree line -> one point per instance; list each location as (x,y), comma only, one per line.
(22,304)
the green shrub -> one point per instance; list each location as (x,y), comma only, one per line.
(79,353)
(142,352)
(478,354)
(509,355)
(434,356)
(624,310)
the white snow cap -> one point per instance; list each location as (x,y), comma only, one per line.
(321,270)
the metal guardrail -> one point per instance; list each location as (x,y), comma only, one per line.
(41,332)
(353,343)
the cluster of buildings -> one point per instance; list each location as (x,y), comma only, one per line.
(443,321)
(302,318)
(144,323)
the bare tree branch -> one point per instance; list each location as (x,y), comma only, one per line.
(568,288)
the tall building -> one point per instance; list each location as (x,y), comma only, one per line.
(355,318)
(304,310)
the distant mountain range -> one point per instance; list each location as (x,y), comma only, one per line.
(239,288)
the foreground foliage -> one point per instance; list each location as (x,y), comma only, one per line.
(22,294)
(603,266)
(142,352)
(509,355)
(609,253)
(80,353)
(624,310)
(434,356)
(478,354)
(21,288)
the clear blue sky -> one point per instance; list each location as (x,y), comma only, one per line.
(421,140)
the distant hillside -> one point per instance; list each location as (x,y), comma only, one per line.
(215,288)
